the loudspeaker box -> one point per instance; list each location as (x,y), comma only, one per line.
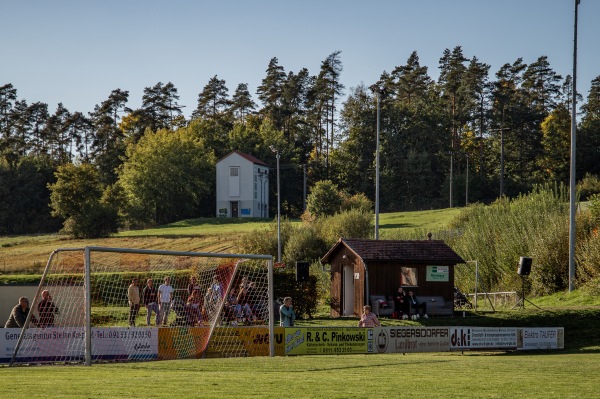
(302,271)
(524,266)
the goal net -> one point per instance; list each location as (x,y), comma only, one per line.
(105,304)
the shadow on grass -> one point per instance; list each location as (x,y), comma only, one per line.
(371,366)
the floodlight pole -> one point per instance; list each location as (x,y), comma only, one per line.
(277,155)
(378,94)
(572,193)
(467,183)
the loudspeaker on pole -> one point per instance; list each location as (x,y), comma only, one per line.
(302,271)
(524,266)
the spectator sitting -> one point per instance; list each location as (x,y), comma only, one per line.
(242,308)
(418,307)
(18,315)
(368,318)
(400,302)
(46,310)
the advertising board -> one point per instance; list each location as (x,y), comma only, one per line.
(540,338)
(411,339)
(482,338)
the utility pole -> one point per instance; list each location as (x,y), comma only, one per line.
(377,91)
(572,193)
(277,155)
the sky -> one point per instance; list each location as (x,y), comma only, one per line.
(76,52)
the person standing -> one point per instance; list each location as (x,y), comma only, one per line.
(193,285)
(133,294)
(286,312)
(164,299)
(18,315)
(151,301)
(46,310)
(368,318)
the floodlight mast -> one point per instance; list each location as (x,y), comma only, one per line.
(277,155)
(377,90)
(572,190)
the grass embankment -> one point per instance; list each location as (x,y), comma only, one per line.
(29,254)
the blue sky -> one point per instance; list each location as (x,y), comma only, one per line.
(77,52)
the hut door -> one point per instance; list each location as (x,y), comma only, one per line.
(348,291)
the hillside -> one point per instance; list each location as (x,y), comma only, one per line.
(29,254)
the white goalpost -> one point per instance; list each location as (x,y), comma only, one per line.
(98,304)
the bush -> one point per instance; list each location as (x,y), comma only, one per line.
(357,201)
(324,199)
(304,244)
(352,224)
(304,294)
(530,225)
(588,186)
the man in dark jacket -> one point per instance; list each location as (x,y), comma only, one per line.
(46,310)
(19,313)
(400,302)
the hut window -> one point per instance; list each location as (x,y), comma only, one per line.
(409,276)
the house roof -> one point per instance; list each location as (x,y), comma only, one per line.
(248,157)
(409,251)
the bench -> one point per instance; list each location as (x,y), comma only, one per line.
(436,305)
(376,305)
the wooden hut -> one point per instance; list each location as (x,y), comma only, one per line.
(362,269)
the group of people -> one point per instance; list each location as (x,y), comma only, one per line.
(405,305)
(159,301)
(46,311)
(156,300)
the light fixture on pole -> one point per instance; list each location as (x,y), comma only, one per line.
(276,151)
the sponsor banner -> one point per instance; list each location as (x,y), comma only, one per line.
(125,343)
(482,338)
(541,338)
(328,340)
(43,344)
(182,342)
(437,273)
(68,343)
(254,340)
(411,339)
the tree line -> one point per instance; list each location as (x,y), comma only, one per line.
(152,165)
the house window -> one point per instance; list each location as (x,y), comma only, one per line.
(234,181)
(408,277)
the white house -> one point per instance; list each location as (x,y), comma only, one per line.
(242,186)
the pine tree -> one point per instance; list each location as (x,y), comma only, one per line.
(242,103)
(213,101)
(270,92)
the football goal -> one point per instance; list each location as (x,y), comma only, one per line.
(97,304)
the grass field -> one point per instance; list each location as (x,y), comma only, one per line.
(569,373)
(437,375)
